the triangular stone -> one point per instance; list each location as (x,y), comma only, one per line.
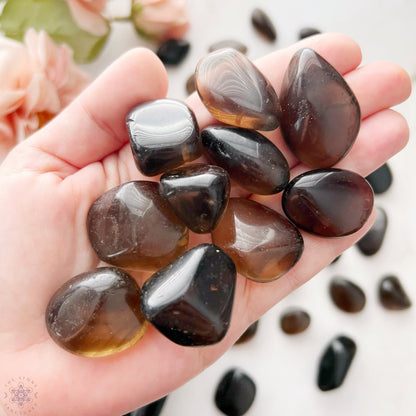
(392,294)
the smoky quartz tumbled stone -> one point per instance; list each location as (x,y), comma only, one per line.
(320,114)
(235,92)
(294,321)
(372,241)
(96,313)
(392,294)
(248,334)
(348,296)
(251,159)
(163,134)
(328,202)
(190,301)
(132,226)
(263,24)
(381,179)
(263,244)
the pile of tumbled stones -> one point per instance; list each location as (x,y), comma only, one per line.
(145,225)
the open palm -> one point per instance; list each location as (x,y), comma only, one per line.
(48,183)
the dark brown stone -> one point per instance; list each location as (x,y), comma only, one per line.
(248,333)
(320,114)
(372,241)
(263,24)
(381,179)
(190,84)
(132,226)
(328,202)
(263,244)
(347,295)
(229,43)
(392,294)
(307,32)
(294,321)
(235,92)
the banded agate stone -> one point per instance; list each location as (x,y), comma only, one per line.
(262,243)
(328,202)
(96,313)
(235,92)
(132,226)
(320,114)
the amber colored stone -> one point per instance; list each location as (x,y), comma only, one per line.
(372,241)
(236,92)
(163,134)
(248,334)
(263,24)
(263,244)
(173,51)
(381,179)
(328,202)
(190,301)
(132,226)
(348,296)
(294,321)
(198,194)
(190,85)
(152,409)
(335,363)
(251,159)
(96,313)
(306,32)
(229,43)
(392,294)
(320,114)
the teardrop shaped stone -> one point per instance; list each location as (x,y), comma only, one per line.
(235,393)
(392,294)
(190,301)
(251,159)
(198,194)
(248,334)
(348,296)
(328,202)
(263,24)
(173,51)
(370,244)
(163,134)
(229,43)
(320,114)
(152,409)
(335,363)
(235,92)
(262,243)
(96,313)
(294,321)
(381,179)
(132,226)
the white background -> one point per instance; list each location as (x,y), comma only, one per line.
(382,378)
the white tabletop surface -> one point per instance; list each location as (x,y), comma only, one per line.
(381,380)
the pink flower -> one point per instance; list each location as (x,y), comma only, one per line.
(88,15)
(161,19)
(37,80)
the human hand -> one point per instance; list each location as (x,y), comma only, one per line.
(48,183)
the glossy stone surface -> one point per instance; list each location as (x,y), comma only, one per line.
(263,24)
(348,296)
(320,114)
(235,393)
(262,243)
(248,334)
(305,32)
(190,85)
(190,301)
(96,313)
(381,179)
(335,363)
(173,51)
(294,321)
(392,294)
(132,226)
(251,159)
(198,194)
(328,202)
(163,134)
(229,43)
(235,92)
(152,409)
(372,241)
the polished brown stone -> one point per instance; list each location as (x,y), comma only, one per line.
(263,24)
(294,321)
(320,114)
(248,334)
(251,160)
(235,92)
(328,202)
(132,226)
(229,43)
(263,244)
(190,85)
(306,32)
(198,194)
(372,241)
(348,296)
(96,313)
(392,294)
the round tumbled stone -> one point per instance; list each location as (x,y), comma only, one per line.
(163,134)
(96,313)
(294,321)
(348,296)
(173,51)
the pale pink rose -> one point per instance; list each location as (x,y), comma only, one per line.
(88,15)
(37,80)
(161,19)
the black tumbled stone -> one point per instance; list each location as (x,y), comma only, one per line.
(392,294)
(173,51)
(371,242)
(308,31)
(381,179)
(152,409)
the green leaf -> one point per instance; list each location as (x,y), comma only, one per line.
(55,18)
